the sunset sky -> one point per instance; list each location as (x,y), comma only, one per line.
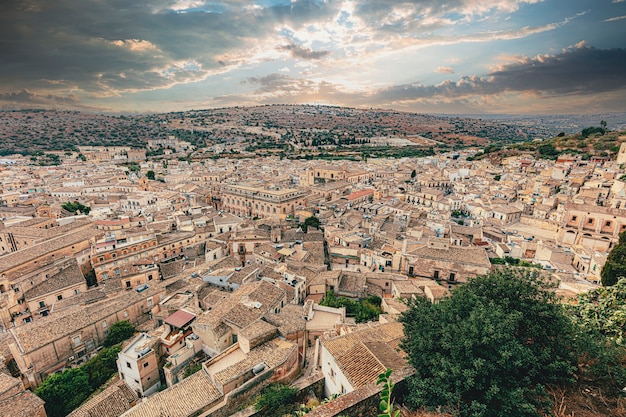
(428,56)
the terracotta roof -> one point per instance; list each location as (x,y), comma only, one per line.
(364,354)
(25,404)
(111,402)
(68,277)
(186,398)
(180,318)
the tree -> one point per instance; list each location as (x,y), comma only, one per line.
(76,207)
(615,266)
(311,221)
(150,175)
(102,367)
(490,348)
(276,400)
(63,392)
(119,332)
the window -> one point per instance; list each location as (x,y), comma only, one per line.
(128,365)
(590,221)
(127,284)
(145,365)
(452,276)
(59,297)
(76,340)
(125,313)
(104,275)
(117,271)
(104,324)
(574,218)
(436,275)
(607,224)
(150,277)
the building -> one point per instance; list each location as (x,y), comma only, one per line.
(138,364)
(354,360)
(261,202)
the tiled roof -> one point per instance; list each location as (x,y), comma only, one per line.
(272,353)
(180,318)
(23,256)
(111,402)
(68,277)
(471,255)
(32,336)
(365,354)
(25,404)
(241,307)
(7,382)
(289,320)
(186,398)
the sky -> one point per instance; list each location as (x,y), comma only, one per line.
(426,56)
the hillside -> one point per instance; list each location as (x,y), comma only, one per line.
(591,142)
(291,128)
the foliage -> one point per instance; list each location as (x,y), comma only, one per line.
(64,391)
(119,332)
(601,316)
(363,310)
(490,348)
(548,151)
(603,310)
(586,132)
(509,260)
(386,405)
(102,367)
(76,207)
(150,175)
(191,369)
(276,400)
(311,222)
(615,265)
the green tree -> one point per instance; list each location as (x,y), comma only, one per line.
(119,332)
(63,392)
(490,348)
(102,367)
(276,400)
(76,207)
(615,266)
(150,175)
(603,310)
(311,222)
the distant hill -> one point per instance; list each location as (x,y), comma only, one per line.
(265,129)
(590,142)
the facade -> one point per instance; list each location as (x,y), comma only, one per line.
(247,201)
(138,364)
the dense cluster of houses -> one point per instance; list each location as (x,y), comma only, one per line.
(214,264)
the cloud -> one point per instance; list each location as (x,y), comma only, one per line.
(444,70)
(613,19)
(298,51)
(577,70)
(27,97)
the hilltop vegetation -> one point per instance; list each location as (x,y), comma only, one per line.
(590,142)
(264,129)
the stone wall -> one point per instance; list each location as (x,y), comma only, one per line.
(541,224)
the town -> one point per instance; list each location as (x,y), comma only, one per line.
(226,266)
